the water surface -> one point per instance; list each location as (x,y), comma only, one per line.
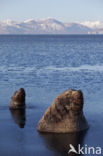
(47,65)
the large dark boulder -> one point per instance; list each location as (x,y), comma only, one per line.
(18,99)
(65,114)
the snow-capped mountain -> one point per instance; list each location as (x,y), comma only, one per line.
(93,24)
(48,26)
(76,28)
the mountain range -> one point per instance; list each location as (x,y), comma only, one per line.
(50,26)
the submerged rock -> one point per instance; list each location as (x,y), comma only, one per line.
(65,114)
(18,99)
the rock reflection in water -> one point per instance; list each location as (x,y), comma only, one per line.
(60,143)
(19,117)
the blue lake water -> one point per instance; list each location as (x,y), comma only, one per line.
(47,65)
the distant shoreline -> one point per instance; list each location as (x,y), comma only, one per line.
(51,34)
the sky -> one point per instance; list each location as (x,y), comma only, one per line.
(63,10)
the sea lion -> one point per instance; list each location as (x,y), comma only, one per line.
(18,99)
(65,114)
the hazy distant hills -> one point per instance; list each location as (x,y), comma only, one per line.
(97,31)
(50,26)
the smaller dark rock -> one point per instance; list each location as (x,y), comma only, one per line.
(18,99)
